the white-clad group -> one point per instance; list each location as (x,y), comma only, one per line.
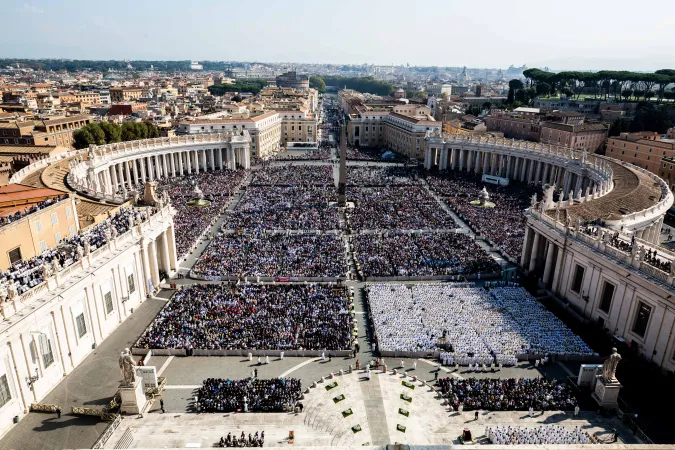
(547,434)
(480,326)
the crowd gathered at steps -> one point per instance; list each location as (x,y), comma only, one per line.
(396,207)
(542,435)
(24,275)
(504,224)
(510,394)
(191,221)
(257,440)
(260,395)
(479,325)
(259,317)
(649,256)
(18,215)
(285,208)
(273,255)
(383,176)
(420,254)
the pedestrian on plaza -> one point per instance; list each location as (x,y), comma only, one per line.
(576,410)
(259,360)
(415,365)
(58,412)
(476,416)
(161,405)
(358,347)
(436,375)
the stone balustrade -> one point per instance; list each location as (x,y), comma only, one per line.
(11,302)
(37,165)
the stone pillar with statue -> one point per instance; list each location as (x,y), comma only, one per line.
(131,388)
(607,387)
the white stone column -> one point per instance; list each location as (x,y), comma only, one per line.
(523,169)
(230,158)
(128,172)
(149,168)
(113,174)
(145,256)
(158,167)
(557,272)
(120,176)
(179,156)
(524,256)
(165,165)
(166,264)
(195,160)
(188,161)
(154,262)
(141,165)
(219,153)
(548,268)
(444,159)
(172,163)
(538,172)
(213,159)
(534,252)
(486,162)
(107,181)
(173,253)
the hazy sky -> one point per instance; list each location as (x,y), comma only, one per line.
(588,34)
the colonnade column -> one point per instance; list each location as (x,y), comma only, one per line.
(107,188)
(165,167)
(213,159)
(548,267)
(180,163)
(523,256)
(196,161)
(113,174)
(172,163)
(128,172)
(534,252)
(158,167)
(219,152)
(154,266)
(166,264)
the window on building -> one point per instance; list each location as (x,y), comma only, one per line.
(108,302)
(644,311)
(578,279)
(5,393)
(43,246)
(46,350)
(71,230)
(607,296)
(57,237)
(81,325)
(55,219)
(69,212)
(131,284)
(14,255)
(38,226)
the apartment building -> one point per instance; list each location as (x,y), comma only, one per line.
(125,94)
(646,149)
(586,136)
(57,131)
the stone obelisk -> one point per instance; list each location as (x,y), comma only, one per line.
(342,181)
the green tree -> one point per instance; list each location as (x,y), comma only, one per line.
(543,88)
(128,131)
(514,86)
(317,82)
(112,132)
(82,138)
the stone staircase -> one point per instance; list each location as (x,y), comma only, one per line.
(126,440)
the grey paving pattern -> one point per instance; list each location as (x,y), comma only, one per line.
(377,421)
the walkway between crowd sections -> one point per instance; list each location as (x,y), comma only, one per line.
(91,384)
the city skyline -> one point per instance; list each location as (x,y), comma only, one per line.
(440,34)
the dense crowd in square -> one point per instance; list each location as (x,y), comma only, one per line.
(383,176)
(273,255)
(295,175)
(190,222)
(24,275)
(420,254)
(510,394)
(479,325)
(261,317)
(257,395)
(285,208)
(401,208)
(504,224)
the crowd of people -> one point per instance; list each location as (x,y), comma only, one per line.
(273,255)
(257,440)
(190,222)
(18,215)
(248,394)
(312,155)
(503,224)
(285,208)
(262,317)
(298,175)
(24,275)
(383,176)
(420,254)
(542,435)
(402,208)
(510,394)
(494,325)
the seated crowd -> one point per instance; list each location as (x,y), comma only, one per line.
(361,155)
(504,224)
(402,208)
(285,208)
(479,325)
(18,215)
(24,275)
(190,222)
(257,440)
(547,434)
(254,394)
(420,254)
(294,175)
(510,394)
(262,317)
(383,176)
(273,255)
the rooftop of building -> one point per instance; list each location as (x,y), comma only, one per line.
(575,128)
(26,149)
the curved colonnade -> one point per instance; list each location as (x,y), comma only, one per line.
(596,250)
(111,169)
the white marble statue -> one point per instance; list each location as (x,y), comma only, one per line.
(128,367)
(609,366)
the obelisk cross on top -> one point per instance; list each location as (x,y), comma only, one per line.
(342,181)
